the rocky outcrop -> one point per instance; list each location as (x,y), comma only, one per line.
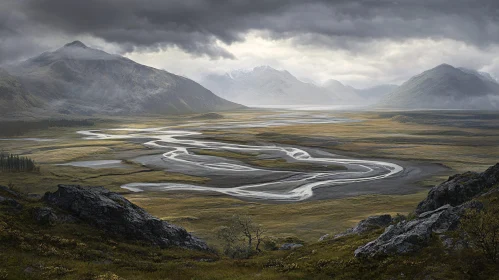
(410,236)
(290,246)
(11,203)
(48,216)
(369,224)
(115,214)
(459,189)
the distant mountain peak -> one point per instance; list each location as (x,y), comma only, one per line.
(445,65)
(446,87)
(77,44)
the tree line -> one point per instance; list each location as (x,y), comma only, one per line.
(16,163)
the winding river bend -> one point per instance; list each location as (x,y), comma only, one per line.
(286,185)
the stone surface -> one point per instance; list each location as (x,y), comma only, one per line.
(48,216)
(410,236)
(369,224)
(290,246)
(324,237)
(115,214)
(9,191)
(459,189)
(12,203)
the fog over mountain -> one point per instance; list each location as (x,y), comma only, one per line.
(446,87)
(265,85)
(76,79)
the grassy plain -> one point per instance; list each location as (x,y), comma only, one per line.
(439,137)
(460,140)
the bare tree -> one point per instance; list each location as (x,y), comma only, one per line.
(241,236)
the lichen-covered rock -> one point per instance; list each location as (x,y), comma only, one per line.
(10,192)
(324,237)
(290,246)
(48,216)
(11,203)
(410,236)
(368,224)
(115,214)
(44,215)
(459,189)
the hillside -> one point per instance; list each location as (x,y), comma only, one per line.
(91,233)
(446,87)
(13,95)
(79,80)
(265,85)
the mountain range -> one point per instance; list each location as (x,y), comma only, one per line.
(265,85)
(445,87)
(79,80)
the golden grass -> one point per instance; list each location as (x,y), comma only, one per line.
(306,220)
(66,154)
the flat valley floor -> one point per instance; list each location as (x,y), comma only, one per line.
(198,171)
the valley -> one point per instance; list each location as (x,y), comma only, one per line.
(428,149)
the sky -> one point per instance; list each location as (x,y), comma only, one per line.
(360,43)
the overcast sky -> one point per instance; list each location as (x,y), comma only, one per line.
(361,43)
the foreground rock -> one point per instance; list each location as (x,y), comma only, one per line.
(48,216)
(410,236)
(459,189)
(369,224)
(290,246)
(115,214)
(439,213)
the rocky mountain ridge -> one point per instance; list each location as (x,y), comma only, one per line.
(79,80)
(445,87)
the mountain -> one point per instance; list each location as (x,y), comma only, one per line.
(13,95)
(265,85)
(374,94)
(76,79)
(446,87)
(342,93)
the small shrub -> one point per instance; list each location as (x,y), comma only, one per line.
(482,230)
(3,274)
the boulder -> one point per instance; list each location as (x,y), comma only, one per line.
(10,192)
(44,216)
(459,189)
(369,224)
(290,246)
(410,236)
(11,203)
(113,213)
(48,216)
(324,237)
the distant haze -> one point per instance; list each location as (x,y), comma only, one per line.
(265,85)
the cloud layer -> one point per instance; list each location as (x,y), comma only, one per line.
(208,28)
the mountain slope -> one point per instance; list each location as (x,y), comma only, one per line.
(265,85)
(13,95)
(374,94)
(76,79)
(445,87)
(342,93)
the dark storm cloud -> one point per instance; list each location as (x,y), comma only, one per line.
(194,26)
